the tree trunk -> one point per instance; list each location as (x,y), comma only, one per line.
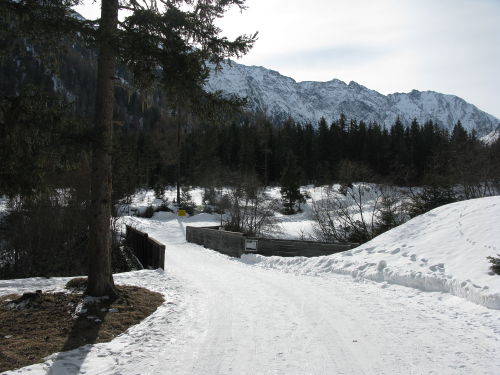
(178,163)
(100,277)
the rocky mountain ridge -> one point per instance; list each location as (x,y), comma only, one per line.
(281,97)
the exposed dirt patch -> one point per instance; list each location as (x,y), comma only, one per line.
(37,324)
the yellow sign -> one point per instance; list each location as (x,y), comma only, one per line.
(181,212)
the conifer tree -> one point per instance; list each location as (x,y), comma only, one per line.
(162,43)
(290,185)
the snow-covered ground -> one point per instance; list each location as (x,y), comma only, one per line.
(145,198)
(443,250)
(298,226)
(245,316)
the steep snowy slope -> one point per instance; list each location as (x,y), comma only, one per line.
(491,137)
(281,97)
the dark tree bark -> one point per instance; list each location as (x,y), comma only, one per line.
(100,277)
(178,163)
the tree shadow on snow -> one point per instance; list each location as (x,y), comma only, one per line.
(82,336)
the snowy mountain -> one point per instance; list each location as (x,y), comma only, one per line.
(281,97)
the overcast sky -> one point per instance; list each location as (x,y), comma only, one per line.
(449,46)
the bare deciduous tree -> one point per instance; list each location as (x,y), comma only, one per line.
(349,213)
(251,209)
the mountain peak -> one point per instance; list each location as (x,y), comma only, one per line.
(355,85)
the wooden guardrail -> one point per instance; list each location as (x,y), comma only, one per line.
(235,244)
(147,250)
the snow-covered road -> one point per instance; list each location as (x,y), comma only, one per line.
(224,316)
(256,321)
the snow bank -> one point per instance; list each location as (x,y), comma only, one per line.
(443,250)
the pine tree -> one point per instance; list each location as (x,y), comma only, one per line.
(388,217)
(431,197)
(165,44)
(323,150)
(290,185)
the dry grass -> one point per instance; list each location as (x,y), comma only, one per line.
(48,323)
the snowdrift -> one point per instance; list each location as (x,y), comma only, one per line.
(443,250)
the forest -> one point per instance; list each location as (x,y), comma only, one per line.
(344,150)
(46,166)
(46,138)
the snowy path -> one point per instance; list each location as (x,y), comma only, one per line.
(223,316)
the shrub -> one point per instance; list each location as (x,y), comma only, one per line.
(186,202)
(46,237)
(250,210)
(343,214)
(357,213)
(431,197)
(495,264)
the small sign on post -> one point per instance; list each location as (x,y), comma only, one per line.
(251,245)
(181,212)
